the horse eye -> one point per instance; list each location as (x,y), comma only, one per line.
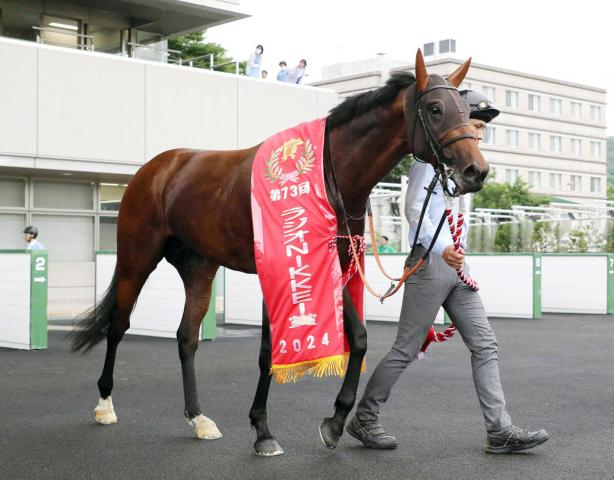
(435,110)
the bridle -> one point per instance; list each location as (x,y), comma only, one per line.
(443,175)
(435,144)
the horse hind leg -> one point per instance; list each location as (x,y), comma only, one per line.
(131,273)
(265,444)
(331,428)
(198,275)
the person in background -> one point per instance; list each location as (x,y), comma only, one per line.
(297,73)
(265,74)
(384,246)
(254,62)
(434,285)
(29,234)
(283,74)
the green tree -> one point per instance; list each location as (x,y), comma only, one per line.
(610,192)
(194,45)
(394,176)
(504,195)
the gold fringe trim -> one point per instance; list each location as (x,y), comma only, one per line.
(321,367)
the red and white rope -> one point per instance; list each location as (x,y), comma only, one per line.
(456,229)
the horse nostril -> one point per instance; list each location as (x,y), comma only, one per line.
(471,174)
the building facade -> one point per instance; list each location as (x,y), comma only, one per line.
(76,125)
(550,133)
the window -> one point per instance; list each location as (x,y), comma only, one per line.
(555,106)
(12,192)
(108,233)
(111,195)
(595,113)
(489,136)
(555,181)
(511,98)
(575,183)
(429,49)
(69,238)
(63,195)
(534,103)
(576,110)
(511,138)
(489,92)
(511,175)
(534,179)
(555,144)
(448,45)
(595,149)
(11,226)
(595,184)
(534,141)
(576,147)
(465,86)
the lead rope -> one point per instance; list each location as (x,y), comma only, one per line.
(456,229)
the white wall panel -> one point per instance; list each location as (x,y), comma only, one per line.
(574,284)
(243,298)
(15,300)
(506,284)
(191,108)
(91,106)
(266,108)
(18,105)
(160,305)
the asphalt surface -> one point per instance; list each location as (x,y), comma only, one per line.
(557,375)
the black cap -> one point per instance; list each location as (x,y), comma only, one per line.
(480,106)
(31,230)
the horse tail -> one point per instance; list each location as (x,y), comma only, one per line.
(92,326)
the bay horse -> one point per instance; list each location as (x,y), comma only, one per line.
(192,207)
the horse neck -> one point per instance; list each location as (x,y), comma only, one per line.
(365,149)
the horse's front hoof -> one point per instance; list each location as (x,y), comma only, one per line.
(205,428)
(328,435)
(268,448)
(104,411)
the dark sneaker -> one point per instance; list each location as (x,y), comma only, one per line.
(371,434)
(514,439)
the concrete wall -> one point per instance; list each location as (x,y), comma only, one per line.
(82,111)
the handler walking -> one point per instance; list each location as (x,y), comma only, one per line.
(437,284)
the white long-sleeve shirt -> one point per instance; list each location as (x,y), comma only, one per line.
(420,176)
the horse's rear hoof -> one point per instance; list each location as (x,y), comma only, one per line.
(268,448)
(328,435)
(104,411)
(205,428)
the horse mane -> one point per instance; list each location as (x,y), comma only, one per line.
(359,104)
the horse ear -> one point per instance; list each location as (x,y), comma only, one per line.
(458,75)
(422,78)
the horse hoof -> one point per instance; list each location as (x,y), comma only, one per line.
(268,448)
(205,428)
(104,411)
(328,435)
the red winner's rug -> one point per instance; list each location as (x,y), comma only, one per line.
(296,256)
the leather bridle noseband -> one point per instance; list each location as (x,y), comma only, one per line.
(437,145)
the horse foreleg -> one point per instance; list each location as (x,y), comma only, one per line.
(332,427)
(197,281)
(265,444)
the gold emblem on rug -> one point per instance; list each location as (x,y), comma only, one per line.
(274,172)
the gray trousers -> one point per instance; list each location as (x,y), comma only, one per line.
(434,285)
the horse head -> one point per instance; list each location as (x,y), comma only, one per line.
(437,122)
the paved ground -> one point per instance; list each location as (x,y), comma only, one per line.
(557,375)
